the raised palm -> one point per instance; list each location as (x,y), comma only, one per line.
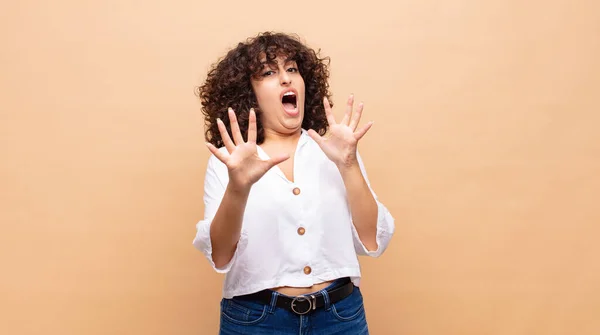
(341,143)
(243,163)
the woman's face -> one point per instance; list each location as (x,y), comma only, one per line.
(280,94)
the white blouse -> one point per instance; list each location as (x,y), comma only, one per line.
(293,233)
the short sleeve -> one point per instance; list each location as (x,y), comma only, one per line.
(215,183)
(385,224)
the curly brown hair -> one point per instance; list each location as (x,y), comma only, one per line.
(228,84)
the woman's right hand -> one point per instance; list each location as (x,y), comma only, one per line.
(243,163)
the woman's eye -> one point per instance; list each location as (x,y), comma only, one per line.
(268,73)
(293,69)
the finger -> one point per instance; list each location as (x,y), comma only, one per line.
(235,128)
(220,155)
(252,126)
(356,117)
(362,131)
(225,136)
(348,113)
(328,112)
(277,159)
(316,137)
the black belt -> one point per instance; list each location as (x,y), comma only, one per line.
(303,304)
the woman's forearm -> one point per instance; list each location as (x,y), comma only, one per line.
(363,206)
(226,226)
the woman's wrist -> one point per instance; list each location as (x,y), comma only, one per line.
(350,172)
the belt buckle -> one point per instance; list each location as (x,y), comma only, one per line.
(302,299)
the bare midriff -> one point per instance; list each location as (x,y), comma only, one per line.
(295,291)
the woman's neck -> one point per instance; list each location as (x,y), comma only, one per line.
(278,139)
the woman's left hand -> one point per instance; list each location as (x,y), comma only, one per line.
(340,145)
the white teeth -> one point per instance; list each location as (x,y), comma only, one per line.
(289,93)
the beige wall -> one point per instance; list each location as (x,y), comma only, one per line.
(485,148)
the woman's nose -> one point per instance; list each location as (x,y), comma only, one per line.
(285,78)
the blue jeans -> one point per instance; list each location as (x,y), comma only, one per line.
(346,317)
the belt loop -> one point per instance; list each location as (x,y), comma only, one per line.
(273,303)
(325,299)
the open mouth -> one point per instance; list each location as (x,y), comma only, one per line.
(289,102)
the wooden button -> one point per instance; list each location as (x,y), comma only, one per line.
(296,191)
(301,231)
(307,270)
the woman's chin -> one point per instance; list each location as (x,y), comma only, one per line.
(291,126)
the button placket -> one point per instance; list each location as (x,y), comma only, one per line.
(301,230)
(307,270)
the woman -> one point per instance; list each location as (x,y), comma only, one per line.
(287,208)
